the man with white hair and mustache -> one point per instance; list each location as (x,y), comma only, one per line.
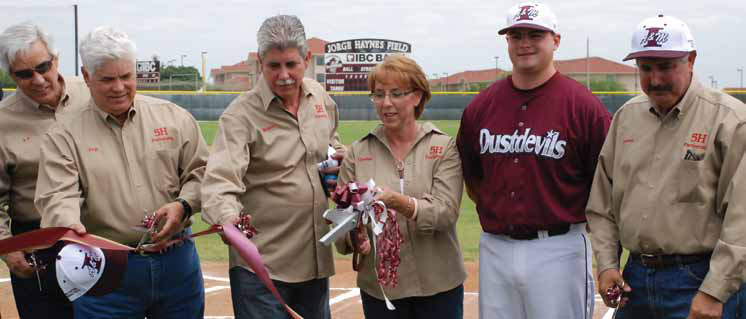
(264,163)
(124,156)
(44,96)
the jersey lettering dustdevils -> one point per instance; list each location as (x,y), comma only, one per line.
(547,145)
(529,156)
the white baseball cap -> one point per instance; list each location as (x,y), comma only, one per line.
(661,37)
(85,270)
(532,15)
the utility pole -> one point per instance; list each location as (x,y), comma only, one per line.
(587,62)
(204,70)
(740,72)
(497,68)
(435,76)
(712,81)
(446,84)
(182,59)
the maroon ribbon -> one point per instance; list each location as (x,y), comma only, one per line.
(250,254)
(46,237)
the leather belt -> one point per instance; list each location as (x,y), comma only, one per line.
(664,261)
(543,233)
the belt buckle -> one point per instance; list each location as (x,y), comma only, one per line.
(650,260)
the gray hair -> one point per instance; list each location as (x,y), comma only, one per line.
(104,44)
(19,38)
(282,32)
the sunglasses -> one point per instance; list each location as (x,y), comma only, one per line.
(29,73)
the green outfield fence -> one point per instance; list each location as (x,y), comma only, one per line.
(207,106)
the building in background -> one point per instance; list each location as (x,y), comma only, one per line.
(605,75)
(243,75)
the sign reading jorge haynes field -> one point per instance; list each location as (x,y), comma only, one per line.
(348,62)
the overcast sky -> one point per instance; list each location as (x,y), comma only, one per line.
(447,36)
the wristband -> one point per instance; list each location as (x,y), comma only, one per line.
(187,208)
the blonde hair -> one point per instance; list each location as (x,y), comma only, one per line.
(397,68)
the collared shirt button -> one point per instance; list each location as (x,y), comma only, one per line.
(523,107)
(651,186)
(658,156)
(512,194)
(520,124)
(515,160)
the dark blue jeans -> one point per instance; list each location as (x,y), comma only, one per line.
(252,300)
(445,305)
(665,293)
(158,286)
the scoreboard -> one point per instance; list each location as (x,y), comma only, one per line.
(348,62)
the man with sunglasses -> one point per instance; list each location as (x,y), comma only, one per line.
(43,97)
(529,145)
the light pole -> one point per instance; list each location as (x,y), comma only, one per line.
(497,68)
(712,81)
(740,72)
(446,84)
(182,59)
(435,76)
(171,62)
(204,70)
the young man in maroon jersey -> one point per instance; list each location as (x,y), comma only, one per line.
(529,145)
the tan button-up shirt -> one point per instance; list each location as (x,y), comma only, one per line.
(23,123)
(431,260)
(674,184)
(264,162)
(106,176)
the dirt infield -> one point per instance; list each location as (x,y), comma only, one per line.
(344,297)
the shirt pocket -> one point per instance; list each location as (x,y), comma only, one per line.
(164,167)
(689,181)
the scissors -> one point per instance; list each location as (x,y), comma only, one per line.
(148,227)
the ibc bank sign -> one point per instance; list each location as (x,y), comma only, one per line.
(348,62)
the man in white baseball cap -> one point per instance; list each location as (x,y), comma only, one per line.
(669,188)
(529,146)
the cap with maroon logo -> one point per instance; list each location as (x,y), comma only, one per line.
(661,37)
(85,270)
(530,15)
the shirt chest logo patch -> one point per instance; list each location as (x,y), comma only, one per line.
(435,152)
(92,149)
(365,158)
(269,127)
(695,147)
(161,134)
(320,111)
(548,145)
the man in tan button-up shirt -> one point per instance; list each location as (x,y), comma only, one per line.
(669,187)
(264,163)
(43,97)
(123,156)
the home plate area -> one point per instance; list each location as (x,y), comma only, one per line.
(344,297)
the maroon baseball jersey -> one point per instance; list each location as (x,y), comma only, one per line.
(529,155)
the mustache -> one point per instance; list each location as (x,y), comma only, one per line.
(660,88)
(285,82)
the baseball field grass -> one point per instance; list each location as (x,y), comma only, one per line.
(212,249)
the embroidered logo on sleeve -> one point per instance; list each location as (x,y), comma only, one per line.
(435,152)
